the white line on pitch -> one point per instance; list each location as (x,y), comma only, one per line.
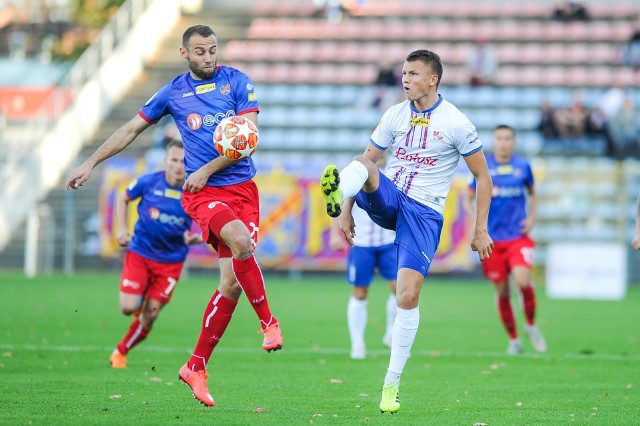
(328,351)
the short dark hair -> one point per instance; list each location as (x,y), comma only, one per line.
(201,30)
(174,142)
(428,57)
(507,127)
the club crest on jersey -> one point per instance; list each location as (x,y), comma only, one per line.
(204,88)
(437,136)
(419,121)
(224,90)
(194,121)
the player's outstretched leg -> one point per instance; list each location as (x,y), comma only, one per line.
(330,185)
(197,380)
(390,402)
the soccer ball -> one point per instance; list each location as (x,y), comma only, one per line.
(236,137)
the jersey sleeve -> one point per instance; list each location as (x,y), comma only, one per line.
(157,106)
(136,187)
(466,137)
(244,93)
(382,136)
(528,177)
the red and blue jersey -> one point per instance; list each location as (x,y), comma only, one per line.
(511,183)
(159,232)
(198,106)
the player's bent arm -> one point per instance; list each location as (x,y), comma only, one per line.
(116,143)
(373,153)
(481,242)
(122,210)
(192,239)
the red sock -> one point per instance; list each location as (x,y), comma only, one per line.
(250,278)
(136,334)
(506,315)
(529,303)
(214,323)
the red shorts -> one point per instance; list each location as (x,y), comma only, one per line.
(215,206)
(142,276)
(506,255)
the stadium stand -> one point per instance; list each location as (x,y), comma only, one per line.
(314,80)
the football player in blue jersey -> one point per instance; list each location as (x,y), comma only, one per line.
(511,217)
(156,250)
(635,243)
(219,193)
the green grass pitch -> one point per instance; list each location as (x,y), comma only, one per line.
(56,334)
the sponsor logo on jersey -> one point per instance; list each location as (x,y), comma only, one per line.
(397,133)
(158,192)
(186,95)
(172,193)
(213,120)
(249,86)
(401,154)
(419,121)
(204,88)
(154,213)
(251,97)
(506,169)
(208,120)
(506,191)
(194,121)
(226,89)
(165,218)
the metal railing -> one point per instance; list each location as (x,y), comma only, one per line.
(25,178)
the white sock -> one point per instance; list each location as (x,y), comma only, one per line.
(391,314)
(404,333)
(357,321)
(352,179)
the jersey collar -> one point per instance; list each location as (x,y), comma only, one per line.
(438,102)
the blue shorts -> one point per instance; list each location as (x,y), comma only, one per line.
(362,262)
(417,226)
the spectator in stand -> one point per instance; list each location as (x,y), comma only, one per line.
(570,11)
(571,121)
(547,124)
(597,127)
(482,64)
(624,131)
(631,51)
(387,87)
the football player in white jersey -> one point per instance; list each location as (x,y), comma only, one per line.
(427,136)
(373,249)
(636,239)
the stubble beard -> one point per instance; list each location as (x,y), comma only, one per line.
(201,73)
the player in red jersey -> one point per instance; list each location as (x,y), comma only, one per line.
(219,193)
(157,249)
(511,217)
